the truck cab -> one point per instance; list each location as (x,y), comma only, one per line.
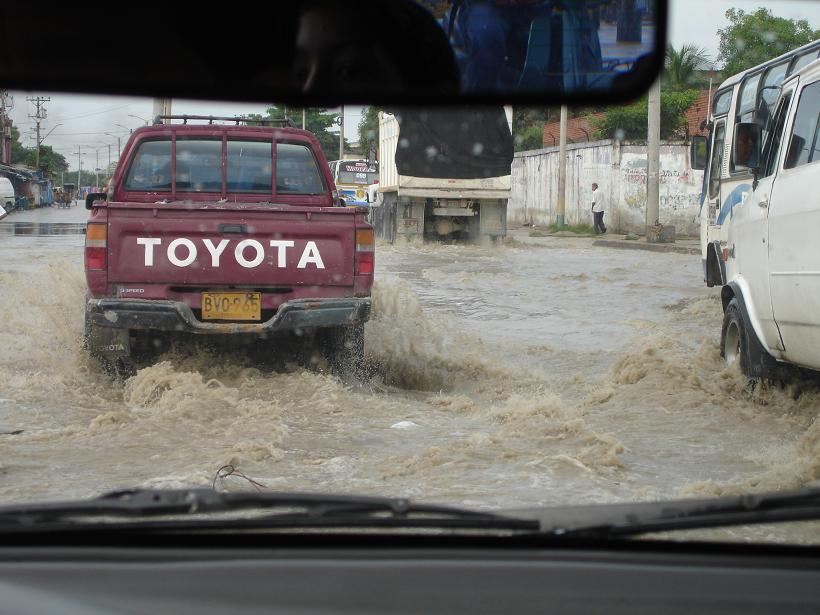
(771,297)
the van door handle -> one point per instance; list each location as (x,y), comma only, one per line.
(233,228)
(763,202)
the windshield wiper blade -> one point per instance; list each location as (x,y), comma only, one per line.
(287,510)
(626,520)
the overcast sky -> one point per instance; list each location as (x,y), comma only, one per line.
(85,120)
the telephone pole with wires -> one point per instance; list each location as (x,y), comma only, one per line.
(6,105)
(38,117)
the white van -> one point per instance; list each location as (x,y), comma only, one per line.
(6,194)
(771,262)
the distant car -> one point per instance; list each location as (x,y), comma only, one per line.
(7,197)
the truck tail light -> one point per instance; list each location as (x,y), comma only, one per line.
(365,251)
(96,246)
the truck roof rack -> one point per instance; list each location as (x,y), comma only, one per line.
(285,122)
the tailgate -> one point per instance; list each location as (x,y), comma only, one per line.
(213,246)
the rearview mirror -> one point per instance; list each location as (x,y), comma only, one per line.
(697,153)
(746,146)
(94,196)
(328,52)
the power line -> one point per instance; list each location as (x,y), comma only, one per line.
(77,117)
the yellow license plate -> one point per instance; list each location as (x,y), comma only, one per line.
(231,306)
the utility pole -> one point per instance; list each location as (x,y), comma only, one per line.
(303,118)
(653,155)
(342,134)
(5,129)
(162,106)
(562,170)
(79,165)
(38,117)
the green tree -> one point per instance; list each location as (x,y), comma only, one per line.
(753,38)
(528,126)
(51,162)
(87,178)
(681,66)
(19,152)
(317,121)
(369,130)
(630,121)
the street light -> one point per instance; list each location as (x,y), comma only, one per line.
(119,149)
(97,168)
(126,127)
(48,133)
(141,118)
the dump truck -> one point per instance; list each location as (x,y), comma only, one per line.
(443,174)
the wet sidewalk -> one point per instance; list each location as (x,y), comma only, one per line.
(540,236)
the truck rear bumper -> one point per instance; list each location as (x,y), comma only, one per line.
(141,314)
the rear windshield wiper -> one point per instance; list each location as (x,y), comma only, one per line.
(625,520)
(183,507)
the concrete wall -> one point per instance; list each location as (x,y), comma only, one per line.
(619,169)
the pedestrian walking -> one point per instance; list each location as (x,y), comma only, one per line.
(598,208)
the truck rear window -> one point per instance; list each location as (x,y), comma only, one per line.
(297,171)
(248,168)
(199,165)
(151,167)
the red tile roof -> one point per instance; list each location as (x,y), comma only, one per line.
(579,129)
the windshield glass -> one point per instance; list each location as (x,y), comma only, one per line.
(450,329)
(357,173)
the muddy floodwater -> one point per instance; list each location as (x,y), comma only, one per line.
(540,372)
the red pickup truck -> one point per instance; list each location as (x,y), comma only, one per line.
(225,229)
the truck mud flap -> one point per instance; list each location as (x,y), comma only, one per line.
(383,219)
(108,342)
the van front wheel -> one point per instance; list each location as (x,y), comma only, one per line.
(733,344)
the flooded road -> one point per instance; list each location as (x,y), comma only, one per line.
(540,372)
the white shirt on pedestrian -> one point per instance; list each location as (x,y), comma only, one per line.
(598,201)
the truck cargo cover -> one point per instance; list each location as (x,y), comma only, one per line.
(467,143)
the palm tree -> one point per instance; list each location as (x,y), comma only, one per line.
(681,65)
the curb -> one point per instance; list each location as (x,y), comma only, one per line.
(641,244)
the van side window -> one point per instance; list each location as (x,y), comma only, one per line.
(717,161)
(722,101)
(803,145)
(771,148)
